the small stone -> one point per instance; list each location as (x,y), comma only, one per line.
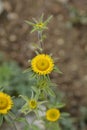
(60,41)
(12,16)
(85,78)
(13,38)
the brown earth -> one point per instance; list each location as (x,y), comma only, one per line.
(67,43)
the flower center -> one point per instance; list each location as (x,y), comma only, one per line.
(40,25)
(53,115)
(33,104)
(3,103)
(42,64)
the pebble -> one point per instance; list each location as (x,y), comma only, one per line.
(84,79)
(60,41)
(12,16)
(13,38)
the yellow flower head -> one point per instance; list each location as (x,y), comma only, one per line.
(5,103)
(52,114)
(40,25)
(32,104)
(42,64)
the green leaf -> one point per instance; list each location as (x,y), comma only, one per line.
(41,18)
(60,105)
(33,30)
(24,97)
(26,127)
(8,119)
(21,119)
(53,126)
(35,20)
(47,21)
(1,119)
(1,89)
(65,114)
(35,89)
(50,92)
(11,115)
(56,69)
(34,127)
(27,70)
(30,23)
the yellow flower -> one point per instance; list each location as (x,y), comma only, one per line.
(52,114)
(5,103)
(32,104)
(40,25)
(42,64)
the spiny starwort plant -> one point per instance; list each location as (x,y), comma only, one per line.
(42,105)
(41,66)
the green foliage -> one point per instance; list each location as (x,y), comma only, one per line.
(83,118)
(14,81)
(76,16)
(68,123)
(32,92)
(53,126)
(1,119)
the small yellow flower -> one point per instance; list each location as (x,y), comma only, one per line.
(5,103)
(32,104)
(42,64)
(40,25)
(53,114)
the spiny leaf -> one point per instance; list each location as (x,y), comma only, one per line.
(30,23)
(65,114)
(41,18)
(50,92)
(24,97)
(56,69)
(49,18)
(60,105)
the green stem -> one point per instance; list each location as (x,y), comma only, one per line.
(40,40)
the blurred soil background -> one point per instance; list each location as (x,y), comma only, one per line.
(66,40)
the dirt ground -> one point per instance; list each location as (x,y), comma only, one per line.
(67,43)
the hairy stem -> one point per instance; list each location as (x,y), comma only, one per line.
(40,40)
